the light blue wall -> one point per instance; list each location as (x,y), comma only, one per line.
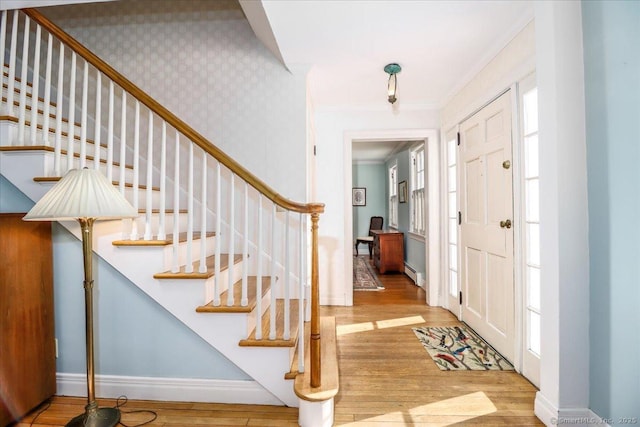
(611,32)
(134,335)
(414,252)
(371,177)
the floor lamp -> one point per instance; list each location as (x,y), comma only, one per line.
(85,195)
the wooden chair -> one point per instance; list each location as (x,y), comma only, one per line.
(374,224)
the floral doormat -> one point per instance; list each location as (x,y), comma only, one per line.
(458,348)
(364,278)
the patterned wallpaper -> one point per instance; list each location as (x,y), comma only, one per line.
(201,60)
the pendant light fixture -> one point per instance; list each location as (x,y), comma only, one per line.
(392,86)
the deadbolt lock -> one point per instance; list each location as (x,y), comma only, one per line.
(506,164)
(505,224)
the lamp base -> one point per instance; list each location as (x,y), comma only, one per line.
(99,417)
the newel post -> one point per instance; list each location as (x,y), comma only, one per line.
(315,306)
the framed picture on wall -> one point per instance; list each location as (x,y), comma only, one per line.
(359,196)
(402,192)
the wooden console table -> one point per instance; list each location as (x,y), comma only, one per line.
(388,250)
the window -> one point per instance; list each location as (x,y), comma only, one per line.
(418,216)
(393,195)
(532,218)
(452,214)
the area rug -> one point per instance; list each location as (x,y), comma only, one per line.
(364,278)
(458,348)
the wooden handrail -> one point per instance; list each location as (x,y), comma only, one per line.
(172,119)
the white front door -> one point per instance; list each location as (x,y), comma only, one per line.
(486,232)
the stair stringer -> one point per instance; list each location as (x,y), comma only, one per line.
(223,331)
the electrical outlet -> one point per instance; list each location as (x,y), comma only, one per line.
(56,341)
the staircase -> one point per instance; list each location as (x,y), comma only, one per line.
(215,246)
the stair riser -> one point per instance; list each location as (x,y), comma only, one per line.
(167,252)
(253,316)
(223,284)
(13,139)
(154,222)
(49,169)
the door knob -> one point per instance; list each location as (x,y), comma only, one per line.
(505,224)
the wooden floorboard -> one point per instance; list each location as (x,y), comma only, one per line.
(386,378)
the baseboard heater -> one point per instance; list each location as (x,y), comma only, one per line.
(414,275)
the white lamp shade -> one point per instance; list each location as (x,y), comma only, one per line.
(81,193)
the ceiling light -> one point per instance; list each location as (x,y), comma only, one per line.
(392,86)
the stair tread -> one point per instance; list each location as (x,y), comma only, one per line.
(168,240)
(237,306)
(279,341)
(330,381)
(52,149)
(8,118)
(210,262)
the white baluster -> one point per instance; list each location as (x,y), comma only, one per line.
(149,193)
(189,264)
(301,281)
(12,64)
(232,232)
(57,149)
(83,115)
(203,214)
(110,119)
(272,307)
(259,273)
(72,113)
(35,87)
(244,301)
(3,38)
(47,91)
(136,167)
(123,141)
(121,160)
(22,107)
(175,267)
(287,280)
(218,230)
(163,178)
(97,123)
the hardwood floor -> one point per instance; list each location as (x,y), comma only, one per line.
(386,378)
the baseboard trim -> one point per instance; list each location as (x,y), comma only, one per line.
(544,410)
(579,417)
(168,389)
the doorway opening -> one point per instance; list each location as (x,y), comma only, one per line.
(411,210)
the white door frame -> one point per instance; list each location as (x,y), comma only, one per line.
(432,241)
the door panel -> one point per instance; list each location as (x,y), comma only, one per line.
(496,304)
(473,172)
(474,290)
(486,246)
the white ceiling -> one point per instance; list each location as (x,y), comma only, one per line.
(439,44)
(376,151)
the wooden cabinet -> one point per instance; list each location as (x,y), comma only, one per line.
(388,250)
(27,348)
